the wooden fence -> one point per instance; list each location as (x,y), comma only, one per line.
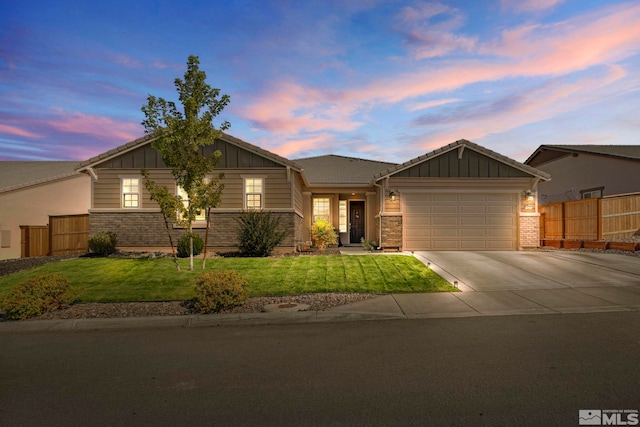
(34,240)
(65,234)
(591,219)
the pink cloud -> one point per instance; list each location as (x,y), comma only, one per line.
(537,105)
(289,108)
(15,131)
(593,40)
(99,127)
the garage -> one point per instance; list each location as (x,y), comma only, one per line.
(460,221)
(460,197)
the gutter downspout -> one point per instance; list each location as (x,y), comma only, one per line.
(380,213)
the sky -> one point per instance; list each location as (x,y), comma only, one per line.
(373,79)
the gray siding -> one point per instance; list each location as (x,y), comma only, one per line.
(471,165)
(232,157)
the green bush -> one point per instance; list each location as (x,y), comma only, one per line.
(103,243)
(218,290)
(368,246)
(259,233)
(323,233)
(36,296)
(184,244)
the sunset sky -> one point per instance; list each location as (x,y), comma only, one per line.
(383,80)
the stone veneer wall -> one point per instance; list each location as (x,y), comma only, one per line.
(147,229)
(529,231)
(391,231)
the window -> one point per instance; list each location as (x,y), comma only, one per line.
(253,193)
(130,193)
(591,193)
(185,201)
(321,209)
(342,216)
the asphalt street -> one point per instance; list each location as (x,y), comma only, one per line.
(503,370)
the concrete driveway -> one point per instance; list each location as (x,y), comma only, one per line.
(512,283)
(500,271)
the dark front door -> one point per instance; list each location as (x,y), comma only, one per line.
(356,219)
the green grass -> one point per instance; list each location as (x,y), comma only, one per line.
(117,280)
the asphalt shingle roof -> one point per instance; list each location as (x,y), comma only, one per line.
(549,152)
(17,174)
(336,170)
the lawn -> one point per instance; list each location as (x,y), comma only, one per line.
(117,279)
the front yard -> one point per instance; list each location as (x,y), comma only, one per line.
(119,280)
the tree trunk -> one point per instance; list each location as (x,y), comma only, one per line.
(190,248)
(206,240)
(173,248)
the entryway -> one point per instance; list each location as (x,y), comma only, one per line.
(356,221)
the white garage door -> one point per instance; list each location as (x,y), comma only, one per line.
(451,221)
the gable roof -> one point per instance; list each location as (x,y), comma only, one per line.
(15,175)
(461,145)
(340,170)
(148,139)
(547,153)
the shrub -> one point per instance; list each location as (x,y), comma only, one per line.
(323,234)
(184,245)
(103,243)
(38,295)
(259,233)
(368,246)
(218,290)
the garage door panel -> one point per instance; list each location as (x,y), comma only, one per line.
(451,221)
(473,209)
(444,221)
(473,232)
(468,221)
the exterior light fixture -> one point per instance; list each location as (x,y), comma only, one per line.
(392,196)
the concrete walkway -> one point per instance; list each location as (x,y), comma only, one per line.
(490,283)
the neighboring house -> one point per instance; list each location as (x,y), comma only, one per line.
(32,191)
(459,197)
(587,171)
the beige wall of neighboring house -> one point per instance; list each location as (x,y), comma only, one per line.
(32,205)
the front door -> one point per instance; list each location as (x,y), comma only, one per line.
(356,220)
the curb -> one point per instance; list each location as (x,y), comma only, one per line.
(189,321)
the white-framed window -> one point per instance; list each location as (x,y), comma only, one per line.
(130,193)
(321,209)
(185,201)
(253,193)
(342,216)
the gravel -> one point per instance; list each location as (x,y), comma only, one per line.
(316,302)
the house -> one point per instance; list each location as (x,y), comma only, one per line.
(461,196)
(31,192)
(586,171)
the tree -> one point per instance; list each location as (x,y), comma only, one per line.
(179,137)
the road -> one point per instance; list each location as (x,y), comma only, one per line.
(502,370)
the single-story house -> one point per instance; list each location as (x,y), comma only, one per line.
(586,171)
(459,197)
(32,191)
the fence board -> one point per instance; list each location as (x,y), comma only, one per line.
(581,219)
(69,234)
(620,216)
(553,226)
(34,240)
